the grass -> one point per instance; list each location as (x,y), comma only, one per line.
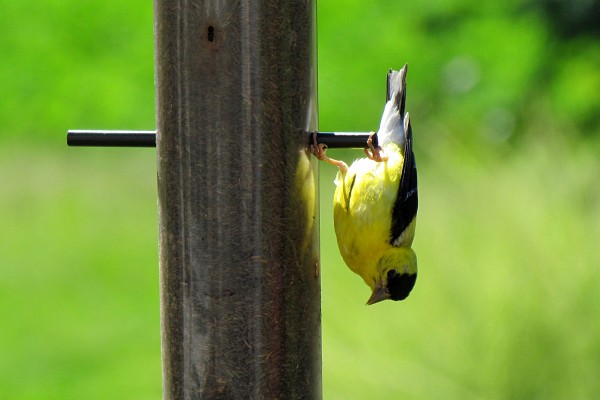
(506,305)
(78,276)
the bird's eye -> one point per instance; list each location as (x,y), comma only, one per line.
(391,273)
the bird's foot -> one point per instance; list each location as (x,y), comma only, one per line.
(320,150)
(374,153)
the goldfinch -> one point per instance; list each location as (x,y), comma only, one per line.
(375,202)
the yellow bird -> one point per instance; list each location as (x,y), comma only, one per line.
(375,202)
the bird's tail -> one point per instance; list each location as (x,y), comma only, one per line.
(391,128)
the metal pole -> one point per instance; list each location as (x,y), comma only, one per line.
(239,266)
(107,138)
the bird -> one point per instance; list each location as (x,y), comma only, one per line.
(376,200)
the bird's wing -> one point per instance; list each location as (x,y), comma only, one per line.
(405,207)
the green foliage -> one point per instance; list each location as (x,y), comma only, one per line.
(75,65)
(468,63)
(503,98)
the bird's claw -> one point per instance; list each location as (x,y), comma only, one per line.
(374,153)
(320,149)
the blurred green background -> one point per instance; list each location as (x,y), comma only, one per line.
(504,100)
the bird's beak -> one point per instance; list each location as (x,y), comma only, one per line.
(379,294)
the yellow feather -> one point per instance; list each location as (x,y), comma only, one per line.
(362,210)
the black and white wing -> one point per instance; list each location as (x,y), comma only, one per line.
(405,207)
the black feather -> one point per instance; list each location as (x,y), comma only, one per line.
(400,285)
(353,177)
(405,207)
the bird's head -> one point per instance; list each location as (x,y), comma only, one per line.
(396,275)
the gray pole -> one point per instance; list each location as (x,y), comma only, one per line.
(239,274)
